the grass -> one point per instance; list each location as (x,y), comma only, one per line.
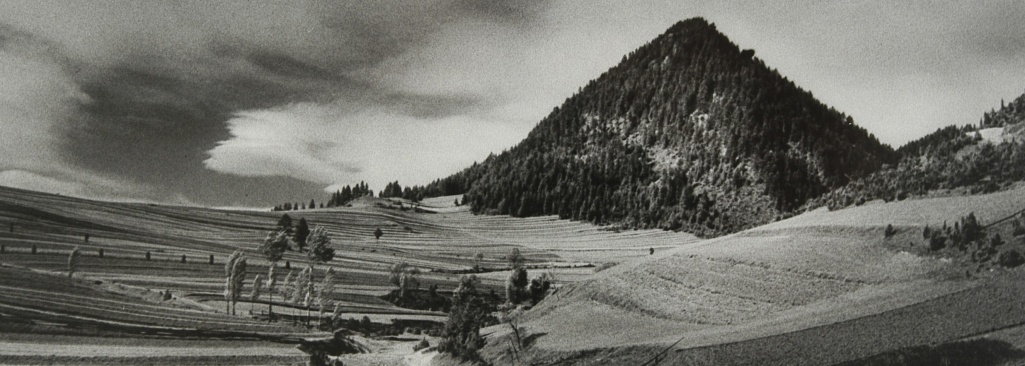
(118,295)
(820,288)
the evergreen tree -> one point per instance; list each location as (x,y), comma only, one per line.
(302,232)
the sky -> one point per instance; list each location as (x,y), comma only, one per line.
(251,103)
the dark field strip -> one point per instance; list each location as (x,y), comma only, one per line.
(157,360)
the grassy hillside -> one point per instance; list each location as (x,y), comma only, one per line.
(119,294)
(820,288)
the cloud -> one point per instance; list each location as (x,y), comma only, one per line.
(334,146)
(37,97)
(242,102)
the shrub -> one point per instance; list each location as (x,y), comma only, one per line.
(424,344)
(1011,258)
(890,231)
(937,242)
(1019,229)
(996,241)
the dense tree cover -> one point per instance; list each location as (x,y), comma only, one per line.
(688,132)
(950,158)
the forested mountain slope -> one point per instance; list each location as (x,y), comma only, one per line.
(688,132)
(974,159)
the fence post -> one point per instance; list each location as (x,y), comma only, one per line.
(101,252)
(147,255)
(211,259)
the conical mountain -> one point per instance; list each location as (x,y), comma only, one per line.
(688,132)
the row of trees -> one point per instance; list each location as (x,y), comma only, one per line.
(340,198)
(412,193)
(300,288)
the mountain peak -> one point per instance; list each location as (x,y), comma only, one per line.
(688,132)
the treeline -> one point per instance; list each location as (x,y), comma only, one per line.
(412,193)
(689,132)
(1011,113)
(950,158)
(340,198)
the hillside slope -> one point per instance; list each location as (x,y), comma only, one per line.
(979,158)
(688,132)
(820,288)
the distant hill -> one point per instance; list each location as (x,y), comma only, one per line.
(688,132)
(979,158)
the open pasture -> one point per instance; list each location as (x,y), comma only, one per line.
(826,287)
(118,293)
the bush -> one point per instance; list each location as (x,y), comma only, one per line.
(1011,259)
(1019,229)
(890,231)
(937,242)
(424,344)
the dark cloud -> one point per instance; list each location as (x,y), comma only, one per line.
(160,99)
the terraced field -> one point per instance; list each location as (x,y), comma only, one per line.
(820,288)
(119,294)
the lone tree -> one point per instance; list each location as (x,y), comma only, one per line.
(515,258)
(235,273)
(302,232)
(73,261)
(378,233)
(320,246)
(515,285)
(286,286)
(274,246)
(272,281)
(478,257)
(404,276)
(325,292)
(257,290)
(285,223)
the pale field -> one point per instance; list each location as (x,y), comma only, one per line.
(815,274)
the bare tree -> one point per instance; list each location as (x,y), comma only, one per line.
(272,281)
(73,261)
(238,276)
(325,292)
(228,282)
(255,295)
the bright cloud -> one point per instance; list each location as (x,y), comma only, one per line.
(333,146)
